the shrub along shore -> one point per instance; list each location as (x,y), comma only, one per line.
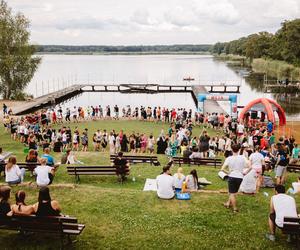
(273,68)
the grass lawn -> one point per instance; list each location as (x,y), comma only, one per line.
(124,217)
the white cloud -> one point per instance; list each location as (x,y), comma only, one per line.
(151,22)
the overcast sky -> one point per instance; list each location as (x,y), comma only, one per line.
(135,22)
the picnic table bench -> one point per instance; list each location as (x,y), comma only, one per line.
(197,161)
(293,167)
(152,159)
(92,170)
(56,225)
(291,226)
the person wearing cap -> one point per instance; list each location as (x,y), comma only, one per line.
(165,184)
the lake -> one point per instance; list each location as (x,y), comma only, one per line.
(59,71)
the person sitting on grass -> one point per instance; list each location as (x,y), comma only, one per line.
(236,165)
(45,206)
(71,158)
(281,205)
(295,187)
(4,203)
(20,208)
(192,181)
(13,174)
(165,184)
(122,167)
(44,173)
(179,178)
(196,154)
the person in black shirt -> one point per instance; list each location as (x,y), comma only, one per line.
(4,197)
(122,167)
(58,146)
(281,164)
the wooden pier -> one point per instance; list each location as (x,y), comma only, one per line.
(281,88)
(60,96)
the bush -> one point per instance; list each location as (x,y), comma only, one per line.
(276,69)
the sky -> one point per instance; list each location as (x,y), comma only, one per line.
(151,22)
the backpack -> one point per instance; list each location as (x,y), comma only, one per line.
(268,182)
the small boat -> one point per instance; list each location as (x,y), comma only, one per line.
(188,79)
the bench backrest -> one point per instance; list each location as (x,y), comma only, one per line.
(199,161)
(25,164)
(291,225)
(55,224)
(93,170)
(136,157)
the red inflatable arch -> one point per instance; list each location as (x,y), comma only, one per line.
(268,106)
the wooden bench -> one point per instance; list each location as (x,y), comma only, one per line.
(92,170)
(199,161)
(152,159)
(291,226)
(57,225)
(293,167)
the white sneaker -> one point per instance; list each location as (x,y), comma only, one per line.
(270,237)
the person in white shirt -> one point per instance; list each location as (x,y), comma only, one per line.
(236,164)
(240,129)
(221,143)
(44,173)
(257,161)
(13,174)
(179,178)
(192,181)
(281,205)
(295,187)
(165,184)
(75,114)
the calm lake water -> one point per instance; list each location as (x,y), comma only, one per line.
(59,71)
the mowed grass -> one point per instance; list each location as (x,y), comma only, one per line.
(124,217)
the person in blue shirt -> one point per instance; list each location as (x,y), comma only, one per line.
(50,159)
(270,127)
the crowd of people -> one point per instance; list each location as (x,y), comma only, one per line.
(250,148)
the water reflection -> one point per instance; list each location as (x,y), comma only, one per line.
(290,102)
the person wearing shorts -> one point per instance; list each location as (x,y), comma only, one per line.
(281,164)
(236,165)
(281,205)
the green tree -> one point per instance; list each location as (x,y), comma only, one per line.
(286,42)
(17,61)
(258,45)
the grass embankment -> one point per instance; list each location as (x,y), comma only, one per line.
(124,217)
(273,68)
(234,60)
(276,69)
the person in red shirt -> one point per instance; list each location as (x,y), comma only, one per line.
(173,115)
(221,120)
(263,143)
(53,116)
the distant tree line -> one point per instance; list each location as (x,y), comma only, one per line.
(124,49)
(283,45)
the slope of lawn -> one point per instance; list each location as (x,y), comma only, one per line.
(124,217)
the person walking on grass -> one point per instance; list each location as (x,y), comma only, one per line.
(236,165)
(257,162)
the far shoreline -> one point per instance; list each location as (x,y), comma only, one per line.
(124,53)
